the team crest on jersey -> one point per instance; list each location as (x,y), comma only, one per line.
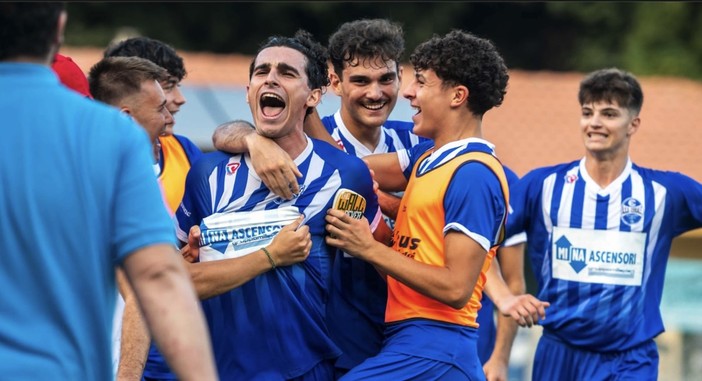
(232,167)
(340,144)
(632,211)
(281,200)
(571,178)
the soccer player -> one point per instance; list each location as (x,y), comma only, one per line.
(270,324)
(365,55)
(176,153)
(450,219)
(599,232)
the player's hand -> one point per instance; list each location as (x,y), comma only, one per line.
(525,309)
(351,235)
(292,244)
(274,166)
(191,251)
(495,370)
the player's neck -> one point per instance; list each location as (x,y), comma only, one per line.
(293,143)
(604,170)
(368,136)
(458,129)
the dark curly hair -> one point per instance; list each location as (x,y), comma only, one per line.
(316,68)
(365,39)
(155,51)
(612,85)
(28,29)
(460,58)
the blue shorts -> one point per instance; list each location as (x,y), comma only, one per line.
(556,360)
(423,350)
(323,371)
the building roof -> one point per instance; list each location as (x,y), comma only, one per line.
(537,124)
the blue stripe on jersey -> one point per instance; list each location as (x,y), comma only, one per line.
(601,212)
(598,316)
(626,193)
(356,309)
(280,314)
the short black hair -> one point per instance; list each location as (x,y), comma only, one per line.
(153,50)
(612,85)
(316,55)
(27,29)
(460,58)
(365,39)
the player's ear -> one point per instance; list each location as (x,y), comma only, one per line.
(459,95)
(335,83)
(314,98)
(633,125)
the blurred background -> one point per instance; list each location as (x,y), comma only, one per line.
(548,47)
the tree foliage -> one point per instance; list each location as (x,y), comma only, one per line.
(647,38)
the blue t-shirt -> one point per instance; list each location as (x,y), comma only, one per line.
(599,255)
(273,326)
(356,308)
(78,195)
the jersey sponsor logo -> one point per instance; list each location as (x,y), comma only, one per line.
(232,167)
(240,236)
(352,203)
(632,211)
(281,200)
(405,245)
(235,234)
(184,209)
(598,256)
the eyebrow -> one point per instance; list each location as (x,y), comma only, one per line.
(282,67)
(285,67)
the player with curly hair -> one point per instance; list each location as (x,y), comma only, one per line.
(450,220)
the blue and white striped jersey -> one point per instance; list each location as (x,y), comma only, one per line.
(356,309)
(274,326)
(394,136)
(599,255)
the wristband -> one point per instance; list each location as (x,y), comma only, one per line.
(270,259)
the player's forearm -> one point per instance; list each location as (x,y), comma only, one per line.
(134,343)
(232,138)
(495,287)
(506,332)
(451,286)
(217,277)
(389,204)
(172,311)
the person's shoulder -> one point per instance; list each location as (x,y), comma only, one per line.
(545,171)
(664,177)
(329,123)
(192,150)
(334,156)
(207,162)
(183,140)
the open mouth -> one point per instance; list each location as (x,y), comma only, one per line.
(271,105)
(374,106)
